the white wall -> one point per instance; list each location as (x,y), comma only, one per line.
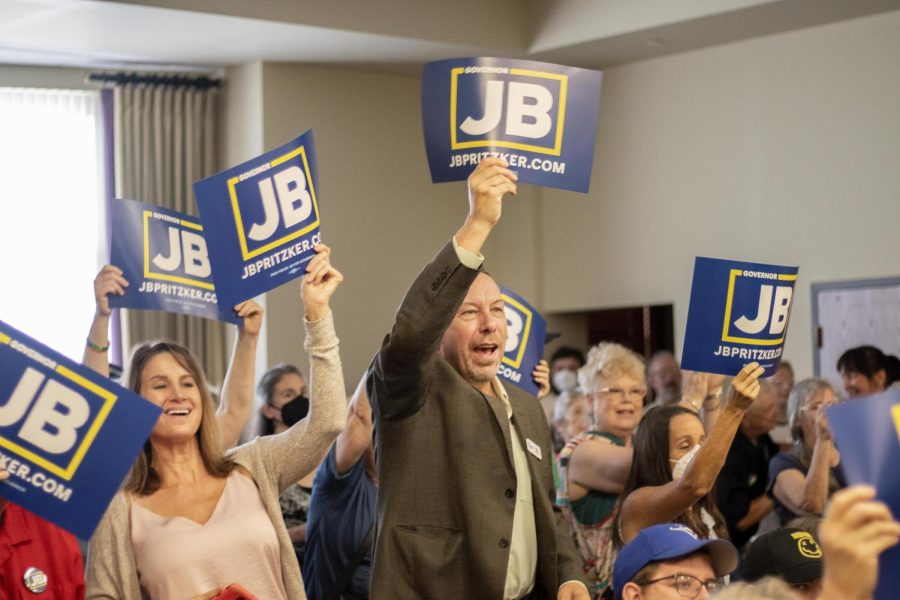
(782,149)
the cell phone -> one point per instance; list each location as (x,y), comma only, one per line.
(235,591)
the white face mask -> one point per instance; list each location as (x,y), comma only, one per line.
(682,463)
(565,380)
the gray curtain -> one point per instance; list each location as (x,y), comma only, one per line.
(165,139)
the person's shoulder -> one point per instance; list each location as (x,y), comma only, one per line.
(782,461)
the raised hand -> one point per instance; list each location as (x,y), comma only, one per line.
(541,375)
(252,314)
(745,386)
(108,281)
(319,283)
(490,180)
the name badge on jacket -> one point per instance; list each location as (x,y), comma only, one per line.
(533,448)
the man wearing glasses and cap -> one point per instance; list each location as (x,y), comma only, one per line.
(668,561)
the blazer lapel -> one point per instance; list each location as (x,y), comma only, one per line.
(499,410)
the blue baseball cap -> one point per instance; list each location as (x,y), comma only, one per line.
(665,542)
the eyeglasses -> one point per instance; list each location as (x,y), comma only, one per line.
(637,394)
(689,586)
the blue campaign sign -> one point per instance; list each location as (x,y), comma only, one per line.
(526,330)
(261,219)
(738,314)
(867,432)
(164,257)
(541,118)
(67,435)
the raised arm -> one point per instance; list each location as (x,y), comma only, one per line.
(96,349)
(806,495)
(599,464)
(398,374)
(300,449)
(236,400)
(357,434)
(660,504)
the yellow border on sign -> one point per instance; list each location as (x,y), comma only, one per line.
(239,222)
(66,472)
(525,331)
(895,412)
(734,273)
(560,118)
(148,274)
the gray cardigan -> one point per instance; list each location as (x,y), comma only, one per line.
(275,462)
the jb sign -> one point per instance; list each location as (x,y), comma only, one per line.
(541,118)
(67,435)
(165,259)
(261,220)
(525,333)
(738,314)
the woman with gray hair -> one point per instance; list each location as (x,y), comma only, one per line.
(593,466)
(802,479)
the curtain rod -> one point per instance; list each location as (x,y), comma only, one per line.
(200,82)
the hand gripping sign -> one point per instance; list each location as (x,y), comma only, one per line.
(261,219)
(67,435)
(541,118)
(867,432)
(525,331)
(738,314)
(164,257)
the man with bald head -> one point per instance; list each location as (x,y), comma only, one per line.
(741,485)
(466,498)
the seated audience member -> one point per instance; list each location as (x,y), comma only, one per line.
(593,465)
(189,519)
(792,555)
(571,414)
(676,463)
(564,365)
(802,479)
(664,379)
(283,390)
(782,382)
(37,558)
(341,523)
(855,531)
(236,395)
(741,485)
(864,371)
(669,561)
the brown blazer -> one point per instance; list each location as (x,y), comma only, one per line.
(446,478)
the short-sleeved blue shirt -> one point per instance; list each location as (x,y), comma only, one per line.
(341,512)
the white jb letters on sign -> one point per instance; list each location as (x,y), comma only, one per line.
(766,327)
(192,247)
(287,191)
(514,327)
(45,426)
(528,109)
(779,311)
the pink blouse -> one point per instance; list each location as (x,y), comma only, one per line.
(178,558)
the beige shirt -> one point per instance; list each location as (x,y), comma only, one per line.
(523,545)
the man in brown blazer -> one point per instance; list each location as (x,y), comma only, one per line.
(466,498)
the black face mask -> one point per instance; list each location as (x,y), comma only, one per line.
(294,411)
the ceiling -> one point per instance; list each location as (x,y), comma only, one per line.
(390,35)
